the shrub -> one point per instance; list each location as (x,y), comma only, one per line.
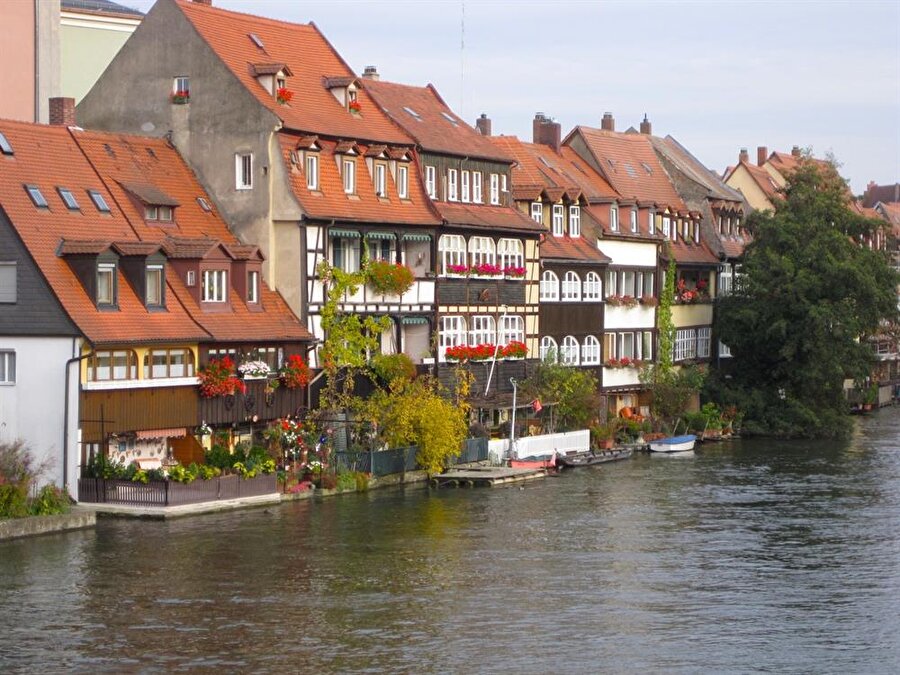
(49,501)
(328,481)
(390,367)
(218,457)
(362,481)
(13,500)
(346,480)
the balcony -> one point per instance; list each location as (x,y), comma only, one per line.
(421,294)
(257,404)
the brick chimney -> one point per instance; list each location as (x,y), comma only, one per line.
(762,154)
(483,124)
(62,111)
(371,73)
(608,123)
(646,127)
(795,151)
(744,156)
(546,132)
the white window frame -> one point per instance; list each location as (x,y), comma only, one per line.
(182,83)
(7,367)
(574,221)
(312,171)
(645,345)
(243,171)
(105,269)
(726,282)
(503,189)
(548,345)
(466,186)
(8,282)
(571,287)
(629,283)
(476,187)
(351,253)
(154,271)
(559,217)
(685,344)
(214,286)
(651,222)
(593,287)
(724,350)
(431,181)
(380,179)
(569,351)
(349,175)
(704,336)
(614,219)
(482,330)
(512,327)
(452,186)
(612,282)
(253,286)
(495,188)
(537,212)
(510,253)
(452,333)
(452,251)
(634,220)
(626,347)
(403,182)
(549,290)
(482,250)
(666,226)
(591,351)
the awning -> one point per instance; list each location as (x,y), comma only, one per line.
(179,432)
(413,320)
(353,234)
(380,235)
(414,236)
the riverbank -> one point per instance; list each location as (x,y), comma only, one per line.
(78,518)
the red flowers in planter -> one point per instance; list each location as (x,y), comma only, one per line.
(354,106)
(624,362)
(294,373)
(283,95)
(484,352)
(514,271)
(217,378)
(181,97)
(514,350)
(389,278)
(486,270)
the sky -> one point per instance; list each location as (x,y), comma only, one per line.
(718,75)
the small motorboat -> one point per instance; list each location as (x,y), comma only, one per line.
(591,457)
(543,462)
(674,444)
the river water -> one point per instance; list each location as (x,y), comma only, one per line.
(749,556)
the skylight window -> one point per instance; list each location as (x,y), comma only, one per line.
(630,170)
(255,39)
(204,204)
(5,147)
(99,201)
(646,167)
(68,199)
(449,118)
(545,162)
(36,196)
(413,113)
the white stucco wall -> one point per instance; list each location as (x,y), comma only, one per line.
(629,253)
(33,408)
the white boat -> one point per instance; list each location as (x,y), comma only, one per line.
(674,444)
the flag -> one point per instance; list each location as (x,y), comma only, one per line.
(536,405)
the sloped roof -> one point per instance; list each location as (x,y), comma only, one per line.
(881,193)
(579,249)
(890,211)
(694,169)
(99,7)
(423,114)
(330,200)
(760,176)
(311,59)
(630,165)
(488,217)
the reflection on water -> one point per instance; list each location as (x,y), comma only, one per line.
(747,556)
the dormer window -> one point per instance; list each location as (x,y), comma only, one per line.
(159,212)
(651,222)
(253,287)
(214,286)
(349,176)
(537,212)
(154,286)
(634,220)
(431,181)
(476,187)
(37,196)
(558,220)
(574,221)
(106,285)
(381,180)
(403,182)
(466,178)
(614,219)
(452,185)
(312,171)
(495,189)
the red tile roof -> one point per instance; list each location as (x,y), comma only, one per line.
(572,248)
(881,193)
(311,59)
(330,200)
(690,253)
(630,165)
(424,115)
(487,217)
(760,176)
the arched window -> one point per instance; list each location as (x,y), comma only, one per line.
(509,253)
(549,349)
(482,251)
(452,249)
(590,351)
(511,328)
(592,286)
(549,287)
(568,353)
(571,287)
(451,334)
(482,330)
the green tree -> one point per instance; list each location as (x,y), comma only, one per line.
(809,294)
(664,322)
(572,391)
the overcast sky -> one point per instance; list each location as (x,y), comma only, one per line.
(717,76)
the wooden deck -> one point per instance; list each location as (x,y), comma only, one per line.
(487,476)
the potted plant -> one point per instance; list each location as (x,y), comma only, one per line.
(458,270)
(649,301)
(294,373)
(283,95)
(603,435)
(514,350)
(514,272)
(389,278)
(354,107)
(254,370)
(486,270)
(217,378)
(181,97)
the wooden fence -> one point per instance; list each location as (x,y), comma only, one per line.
(171,493)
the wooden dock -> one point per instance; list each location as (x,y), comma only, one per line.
(485,476)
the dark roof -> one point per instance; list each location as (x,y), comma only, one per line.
(149,194)
(99,7)
(693,168)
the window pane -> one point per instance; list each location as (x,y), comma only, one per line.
(154,286)
(158,364)
(105,281)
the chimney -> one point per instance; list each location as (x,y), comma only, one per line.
(744,156)
(795,151)
(608,123)
(546,132)
(483,124)
(762,154)
(646,127)
(371,73)
(62,111)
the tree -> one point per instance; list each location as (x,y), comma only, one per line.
(809,294)
(573,392)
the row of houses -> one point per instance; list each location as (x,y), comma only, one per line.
(222,156)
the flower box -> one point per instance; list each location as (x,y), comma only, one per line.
(283,95)
(513,272)
(181,97)
(354,107)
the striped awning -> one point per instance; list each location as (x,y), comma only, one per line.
(179,432)
(416,236)
(344,233)
(380,235)
(413,320)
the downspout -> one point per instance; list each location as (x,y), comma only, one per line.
(72,360)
